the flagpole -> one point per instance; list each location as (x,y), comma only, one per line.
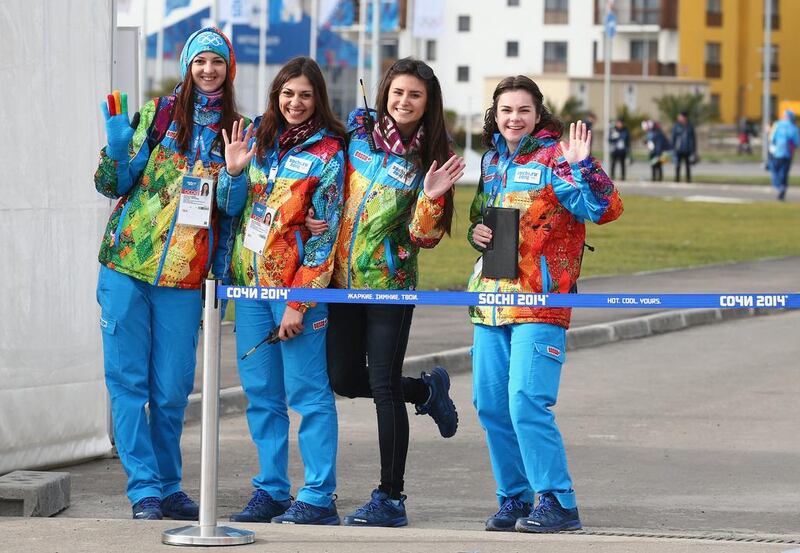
(362,40)
(312,49)
(261,86)
(376,45)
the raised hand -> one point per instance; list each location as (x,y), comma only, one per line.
(119,130)
(315,226)
(237,156)
(440,180)
(580,143)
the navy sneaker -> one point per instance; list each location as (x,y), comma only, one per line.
(505,519)
(379,511)
(439,405)
(305,513)
(148,508)
(549,516)
(261,508)
(179,506)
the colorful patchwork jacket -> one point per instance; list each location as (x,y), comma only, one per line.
(311,173)
(387,218)
(142,239)
(554,199)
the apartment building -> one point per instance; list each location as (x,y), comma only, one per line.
(722,41)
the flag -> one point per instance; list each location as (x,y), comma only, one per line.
(428,19)
(171,5)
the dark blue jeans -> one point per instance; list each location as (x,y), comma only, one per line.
(366,347)
(780,174)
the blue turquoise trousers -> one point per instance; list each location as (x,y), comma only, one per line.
(292,373)
(516,371)
(149,342)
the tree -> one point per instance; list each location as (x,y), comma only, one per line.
(699,110)
(570,112)
(632,120)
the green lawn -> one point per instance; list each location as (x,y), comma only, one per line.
(740,179)
(651,234)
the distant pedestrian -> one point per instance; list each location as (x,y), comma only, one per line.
(685,145)
(620,141)
(783,140)
(657,148)
(744,137)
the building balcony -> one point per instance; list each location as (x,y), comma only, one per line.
(554,67)
(556,17)
(636,68)
(713,70)
(638,12)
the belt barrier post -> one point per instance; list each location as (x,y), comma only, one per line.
(206,532)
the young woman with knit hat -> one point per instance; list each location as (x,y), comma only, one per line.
(398,199)
(162,239)
(290,159)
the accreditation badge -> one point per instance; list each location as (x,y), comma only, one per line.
(194,207)
(258,226)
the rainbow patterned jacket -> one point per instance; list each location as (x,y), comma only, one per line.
(311,173)
(554,199)
(386,219)
(142,239)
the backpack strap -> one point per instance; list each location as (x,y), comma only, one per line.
(162,119)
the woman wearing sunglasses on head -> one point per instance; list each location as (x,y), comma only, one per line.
(398,199)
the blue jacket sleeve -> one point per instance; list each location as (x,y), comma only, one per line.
(232,192)
(221,263)
(586,191)
(115,178)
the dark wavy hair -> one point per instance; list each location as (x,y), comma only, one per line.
(520,82)
(184,110)
(272,122)
(436,140)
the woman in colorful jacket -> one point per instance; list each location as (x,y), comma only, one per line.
(518,351)
(399,199)
(294,160)
(157,249)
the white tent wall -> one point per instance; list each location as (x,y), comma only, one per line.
(56,67)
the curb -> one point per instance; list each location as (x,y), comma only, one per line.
(459,360)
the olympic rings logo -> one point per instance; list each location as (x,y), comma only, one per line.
(210,39)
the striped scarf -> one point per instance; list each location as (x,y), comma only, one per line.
(297,134)
(390,140)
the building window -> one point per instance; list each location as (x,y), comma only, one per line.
(512,49)
(463,74)
(555,57)
(774,68)
(556,12)
(713,60)
(645,12)
(463,23)
(430,50)
(714,102)
(776,15)
(713,13)
(644,49)
(512,3)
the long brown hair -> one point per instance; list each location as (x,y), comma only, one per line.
(272,122)
(184,111)
(546,121)
(436,140)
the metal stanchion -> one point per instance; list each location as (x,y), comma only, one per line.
(206,532)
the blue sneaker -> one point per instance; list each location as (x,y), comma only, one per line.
(439,405)
(549,516)
(505,519)
(179,506)
(305,513)
(261,508)
(148,508)
(379,511)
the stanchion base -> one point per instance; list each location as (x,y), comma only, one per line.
(211,535)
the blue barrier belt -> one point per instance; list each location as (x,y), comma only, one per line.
(510,299)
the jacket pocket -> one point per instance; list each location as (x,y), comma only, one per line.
(300,248)
(547,281)
(387,252)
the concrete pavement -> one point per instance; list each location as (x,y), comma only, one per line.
(682,442)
